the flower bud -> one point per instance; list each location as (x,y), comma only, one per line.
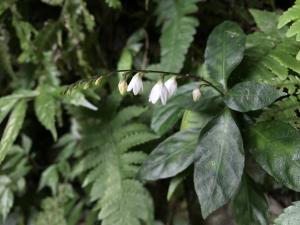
(196,94)
(122,87)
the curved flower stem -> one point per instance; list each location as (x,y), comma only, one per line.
(169,73)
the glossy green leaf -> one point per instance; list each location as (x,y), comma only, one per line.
(171,156)
(248,96)
(45,110)
(175,153)
(250,206)
(12,128)
(224,51)
(290,216)
(219,163)
(275,146)
(165,117)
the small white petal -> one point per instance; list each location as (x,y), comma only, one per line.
(196,94)
(136,84)
(132,83)
(164,95)
(155,92)
(171,85)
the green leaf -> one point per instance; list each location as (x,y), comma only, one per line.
(53,2)
(174,183)
(45,109)
(114,3)
(290,216)
(219,163)
(250,206)
(12,128)
(172,156)
(275,146)
(50,179)
(6,202)
(224,51)
(5,58)
(265,20)
(247,96)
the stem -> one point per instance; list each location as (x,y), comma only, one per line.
(170,73)
(193,206)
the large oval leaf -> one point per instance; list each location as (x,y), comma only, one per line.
(247,96)
(224,51)
(275,146)
(176,153)
(220,163)
(172,156)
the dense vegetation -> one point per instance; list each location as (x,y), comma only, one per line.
(220,145)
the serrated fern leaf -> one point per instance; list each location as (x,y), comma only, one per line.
(110,169)
(292,15)
(285,110)
(178,30)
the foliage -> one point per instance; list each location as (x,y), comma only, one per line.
(75,151)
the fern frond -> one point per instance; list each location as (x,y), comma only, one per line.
(110,169)
(178,30)
(285,110)
(292,15)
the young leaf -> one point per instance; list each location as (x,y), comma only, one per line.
(224,51)
(219,163)
(247,96)
(12,128)
(250,206)
(275,146)
(6,202)
(50,179)
(45,110)
(290,216)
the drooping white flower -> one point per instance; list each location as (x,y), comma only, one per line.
(159,91)
(196,94)
(155,92)
(136,84)
(171,85)
(122,87)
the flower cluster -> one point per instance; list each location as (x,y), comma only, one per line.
(161,90)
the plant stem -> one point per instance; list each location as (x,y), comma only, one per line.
(169,73)
(193,205)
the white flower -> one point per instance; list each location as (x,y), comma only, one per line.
(196,94)
(159,91)
(122,86)
(171,85)
(136,84)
